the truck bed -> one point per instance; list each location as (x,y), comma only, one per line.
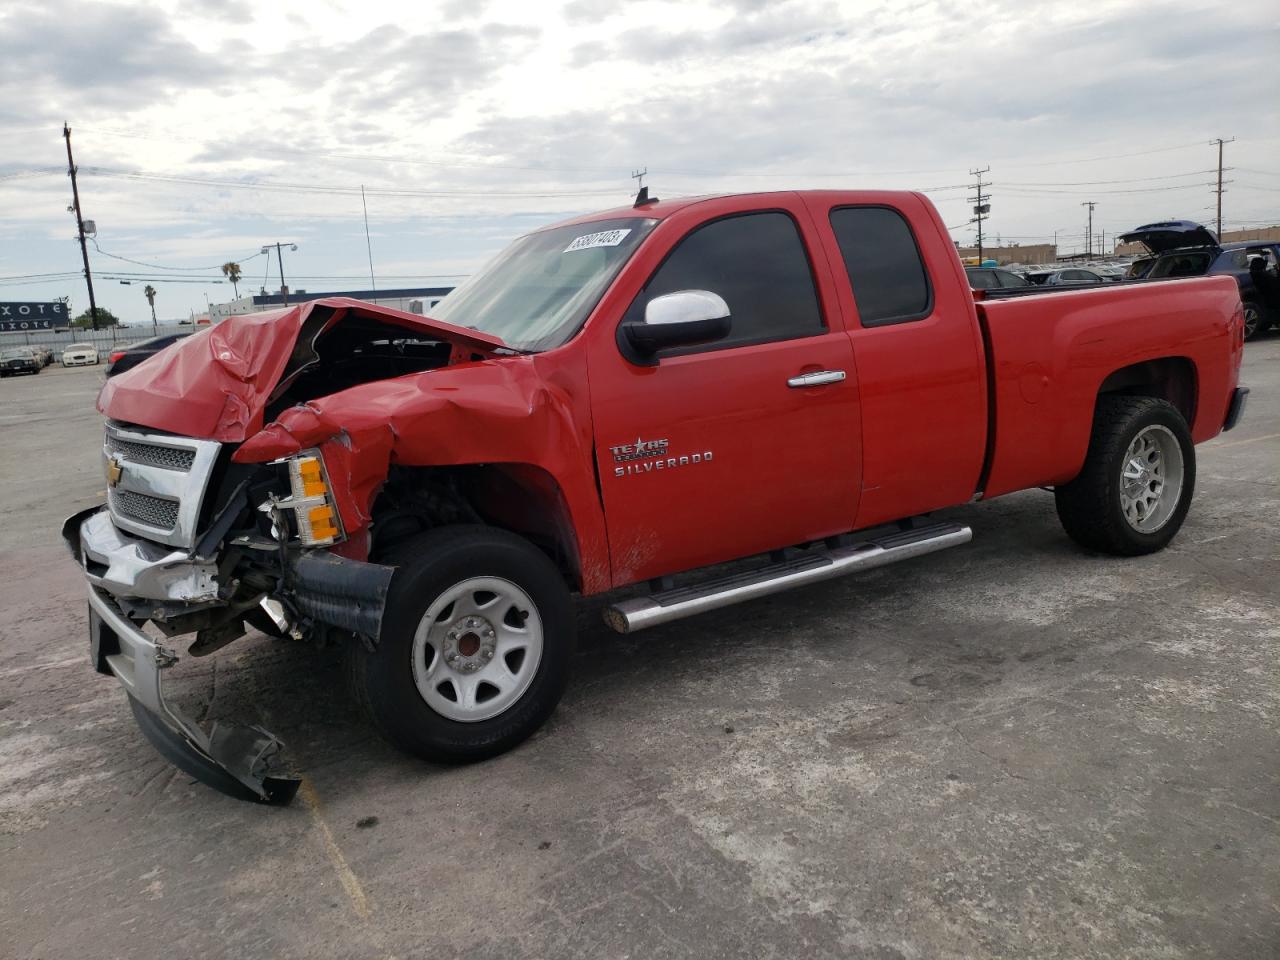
(1049,353)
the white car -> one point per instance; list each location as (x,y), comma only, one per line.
(79,354)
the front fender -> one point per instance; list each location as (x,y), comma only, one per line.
(513,410)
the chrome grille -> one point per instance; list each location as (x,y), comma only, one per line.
(155,455)
(156,483)
(153,511)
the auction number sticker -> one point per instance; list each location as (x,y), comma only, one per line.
(605,238)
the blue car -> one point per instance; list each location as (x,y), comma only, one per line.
(1183,248)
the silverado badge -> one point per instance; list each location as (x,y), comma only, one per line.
(114,472)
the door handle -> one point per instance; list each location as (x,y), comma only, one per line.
(816,379)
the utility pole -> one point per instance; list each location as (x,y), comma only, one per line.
(981,205)
(284,291)
(1088,234)
(1219,191)
(373,284)
(75,206)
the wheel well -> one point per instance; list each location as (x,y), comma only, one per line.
(519,497)
(1169,378)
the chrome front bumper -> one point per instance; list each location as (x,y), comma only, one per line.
(128,566)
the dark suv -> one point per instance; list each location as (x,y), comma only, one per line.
(1187,249)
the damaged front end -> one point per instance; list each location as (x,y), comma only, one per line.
(243,466)
(191,543)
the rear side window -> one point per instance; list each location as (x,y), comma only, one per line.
(880,254)
(1008,279)
(978,279)
(758,264)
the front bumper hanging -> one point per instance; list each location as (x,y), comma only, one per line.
(232,758)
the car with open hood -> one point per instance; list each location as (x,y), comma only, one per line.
(1184,248)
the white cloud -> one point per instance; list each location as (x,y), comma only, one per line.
(546,109)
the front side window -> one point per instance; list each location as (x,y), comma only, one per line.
(885,268)
(537,293)
(757,263)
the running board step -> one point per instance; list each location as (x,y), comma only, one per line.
(637,613)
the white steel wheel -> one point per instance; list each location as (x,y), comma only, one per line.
(476,649)
(1151,479)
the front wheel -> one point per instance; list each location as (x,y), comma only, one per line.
(1135,488)
(475,645)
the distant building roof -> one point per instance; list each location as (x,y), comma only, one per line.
(300,296)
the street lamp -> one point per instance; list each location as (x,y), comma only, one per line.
(284,291)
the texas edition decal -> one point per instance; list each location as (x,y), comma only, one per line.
(646,456)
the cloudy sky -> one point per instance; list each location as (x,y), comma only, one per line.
(206,128)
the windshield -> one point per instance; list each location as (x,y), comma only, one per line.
(537,293)
(80,346)
(13,354)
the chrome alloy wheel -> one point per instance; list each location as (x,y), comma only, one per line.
(476,649)
(1252,318)
(1151,479)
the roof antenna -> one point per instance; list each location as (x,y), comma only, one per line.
(642,196)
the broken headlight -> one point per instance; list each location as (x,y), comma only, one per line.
(315,515)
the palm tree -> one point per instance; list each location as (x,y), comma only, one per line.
(231,271)
(150,293)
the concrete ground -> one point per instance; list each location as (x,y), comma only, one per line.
(1012,749)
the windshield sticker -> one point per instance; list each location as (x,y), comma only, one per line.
(605,238)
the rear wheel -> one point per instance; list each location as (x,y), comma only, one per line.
(1255,322)
(1135,488)
(475,645)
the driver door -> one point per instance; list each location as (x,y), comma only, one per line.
(720,451)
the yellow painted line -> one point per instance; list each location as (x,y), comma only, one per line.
(345,875)
(1241,443)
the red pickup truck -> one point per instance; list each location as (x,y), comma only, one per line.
(795,381)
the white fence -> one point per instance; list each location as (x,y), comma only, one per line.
(105,340)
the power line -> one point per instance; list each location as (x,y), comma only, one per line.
(337,190)
(1091,183)
(156,266)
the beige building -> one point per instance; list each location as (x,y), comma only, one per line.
(1028,253)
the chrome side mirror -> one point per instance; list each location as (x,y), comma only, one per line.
(683,318)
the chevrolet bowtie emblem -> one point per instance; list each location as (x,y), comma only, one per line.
(114,472)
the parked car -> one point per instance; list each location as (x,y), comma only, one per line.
(79,354)
(993,278)
(794,383)
(129,357)
(1072,275)
(16,360)
(1184,248)
(43,354)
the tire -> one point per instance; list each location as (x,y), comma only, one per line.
(1140,453)
(403,685)
(1256,321)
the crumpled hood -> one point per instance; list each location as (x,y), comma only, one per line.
(216,384)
